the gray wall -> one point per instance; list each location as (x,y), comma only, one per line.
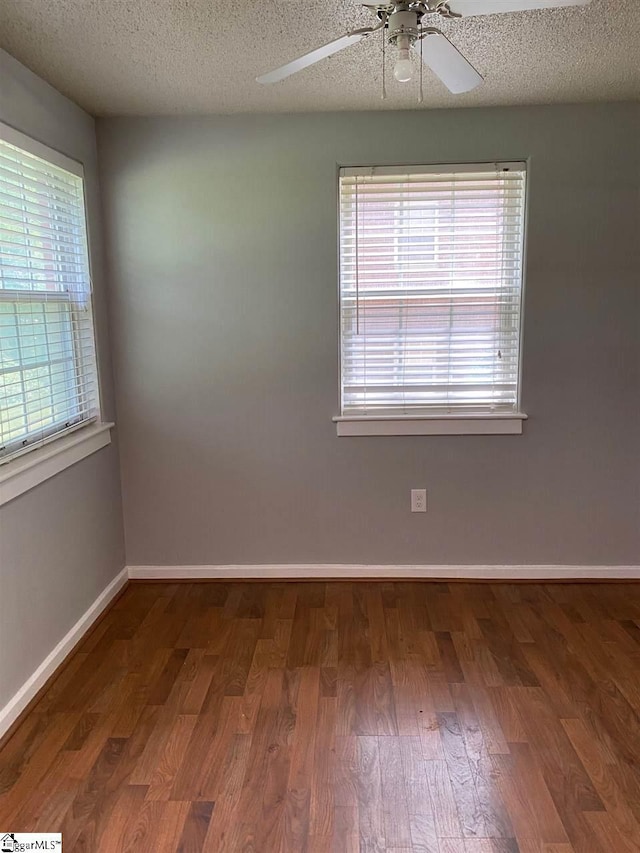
(62,542)
(222,253)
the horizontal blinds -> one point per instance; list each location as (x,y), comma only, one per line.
(430,288)
(48,377)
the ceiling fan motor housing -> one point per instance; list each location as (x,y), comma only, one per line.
(403,23)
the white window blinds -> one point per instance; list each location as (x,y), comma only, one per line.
(431,264)
(48,381)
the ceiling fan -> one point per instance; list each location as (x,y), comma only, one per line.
(404,20)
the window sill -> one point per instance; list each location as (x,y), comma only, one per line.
(28,471)
(504,424)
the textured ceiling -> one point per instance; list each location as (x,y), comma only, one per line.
(150,57)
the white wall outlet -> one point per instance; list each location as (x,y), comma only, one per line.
(418,500)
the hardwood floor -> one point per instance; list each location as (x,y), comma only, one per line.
(338,717)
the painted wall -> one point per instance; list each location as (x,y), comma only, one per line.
(222,249)
(62,542)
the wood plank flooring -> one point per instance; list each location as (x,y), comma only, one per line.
(337,717)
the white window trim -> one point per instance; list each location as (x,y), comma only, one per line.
(39,149)
(19,475)
(458,424)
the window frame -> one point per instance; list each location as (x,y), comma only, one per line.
(438,422)
(58,448)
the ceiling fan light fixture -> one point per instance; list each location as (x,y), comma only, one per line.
(403,69)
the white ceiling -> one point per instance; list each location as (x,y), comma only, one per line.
(150,57)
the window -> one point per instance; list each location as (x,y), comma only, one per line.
(48,378)
(431,269)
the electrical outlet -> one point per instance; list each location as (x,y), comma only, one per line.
(418,500)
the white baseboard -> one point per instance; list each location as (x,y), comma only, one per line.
(329,570)
(15,706)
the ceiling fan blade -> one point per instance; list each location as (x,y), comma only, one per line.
(310,58)
(445,60)
(494,7)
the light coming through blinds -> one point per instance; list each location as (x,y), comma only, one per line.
(431,265)
(48,382)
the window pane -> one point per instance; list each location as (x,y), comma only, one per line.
(431,284)
(38,339)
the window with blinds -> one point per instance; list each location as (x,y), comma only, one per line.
(431,269)
(48,381)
